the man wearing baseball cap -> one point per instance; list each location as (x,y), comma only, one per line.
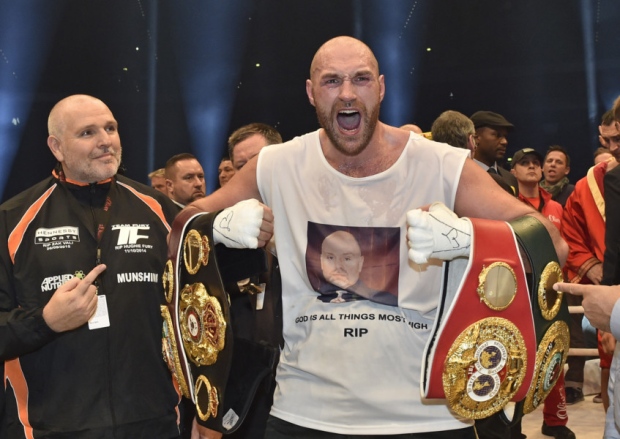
(526,167)
(491,132)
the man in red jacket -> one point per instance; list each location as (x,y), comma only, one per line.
(526,168)
(583,229)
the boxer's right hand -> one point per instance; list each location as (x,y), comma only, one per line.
(437,233)
(247,224)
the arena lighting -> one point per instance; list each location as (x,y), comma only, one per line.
(152,84)
(25,26)
(589,62)
(209,43)
(601,39)
(395,35)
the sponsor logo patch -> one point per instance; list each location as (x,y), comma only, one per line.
(57,237)
(137,277)
(52,283)
(132,238)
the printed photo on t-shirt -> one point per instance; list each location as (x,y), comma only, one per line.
(345,264)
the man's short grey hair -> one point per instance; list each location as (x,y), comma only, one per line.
(453,128)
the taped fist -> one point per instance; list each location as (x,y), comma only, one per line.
(437,233)
(247,224)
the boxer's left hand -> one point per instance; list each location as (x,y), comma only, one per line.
(437,233)
(247,224)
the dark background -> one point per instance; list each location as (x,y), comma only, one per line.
(181,75)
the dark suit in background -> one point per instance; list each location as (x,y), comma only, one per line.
(611,270)
(509,179)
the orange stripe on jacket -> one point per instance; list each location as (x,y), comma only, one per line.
(149,201)
(16,236)
(14,374)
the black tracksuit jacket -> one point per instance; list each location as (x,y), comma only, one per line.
(103,383)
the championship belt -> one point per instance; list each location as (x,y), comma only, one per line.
(477,357)
(550,310)
(198,344)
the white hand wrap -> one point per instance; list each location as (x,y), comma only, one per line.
(438,233)
(238,226)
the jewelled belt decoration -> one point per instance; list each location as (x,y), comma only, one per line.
(549,307)
(207,398)
(550,358)
(197,339)
(202,324)
(484,368)
(195,251)
(168,281)
(171,352)
(549,300)
(497,286)
(478,356)
(218,373)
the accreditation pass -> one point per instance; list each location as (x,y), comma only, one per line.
(100,319)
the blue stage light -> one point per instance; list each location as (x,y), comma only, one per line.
(395,35)
(25,27)
(209,42)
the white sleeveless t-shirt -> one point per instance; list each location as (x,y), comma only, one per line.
(351,361)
